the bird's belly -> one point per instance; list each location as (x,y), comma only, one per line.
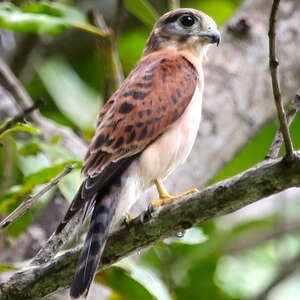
(171,149)
(160,158)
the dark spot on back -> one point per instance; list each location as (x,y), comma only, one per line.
(178,92)
(143,133)
(139,124)
(129,93)
(119,142)
(149,112)
(137,95)
(141,113)
(108,142)
(100,140)
(131,138)
(174,99)
(128,128)
(151,132)
(144,84)
(148,77)
(126,107)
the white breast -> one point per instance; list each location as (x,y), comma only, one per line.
(171,149)
(160,158)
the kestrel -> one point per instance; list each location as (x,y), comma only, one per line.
(144,131)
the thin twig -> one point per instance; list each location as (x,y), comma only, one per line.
(278,139)
(13,85)
(115,71)
(286,270)
(174,4)
(20,57)
(273,64)
(24,206)
(20,117)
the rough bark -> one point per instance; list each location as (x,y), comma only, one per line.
(267,178)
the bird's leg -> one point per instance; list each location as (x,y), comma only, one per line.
(127,219)
(164,196)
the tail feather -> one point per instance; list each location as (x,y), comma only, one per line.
(90,187)
(96,238)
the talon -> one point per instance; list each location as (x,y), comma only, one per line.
(165,197)
(148,214)
(127,219)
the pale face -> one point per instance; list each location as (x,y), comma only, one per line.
(183,29)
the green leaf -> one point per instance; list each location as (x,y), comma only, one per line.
(16,193)
(12,18)
(121,282)
(143,10)
(70,184)
(44,17)
(147,278)
(70,93)
(6,267)
(21,127)
(31,148)
(54,9)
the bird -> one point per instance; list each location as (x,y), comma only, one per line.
(144,131)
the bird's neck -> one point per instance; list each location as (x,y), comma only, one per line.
(191,48)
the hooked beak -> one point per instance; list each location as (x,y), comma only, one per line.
(213,36)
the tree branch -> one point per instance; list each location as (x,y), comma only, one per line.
(273,63)
(265,179)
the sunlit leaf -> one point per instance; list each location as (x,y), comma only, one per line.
(6,267)
(143,10)
(147,278)
(70,184)
(70,93)
(44,17)
(21,127)
(54,9)
(16,193)
(121,282)
(12,18)
(31,148)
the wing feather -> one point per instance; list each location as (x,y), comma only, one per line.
(152,98)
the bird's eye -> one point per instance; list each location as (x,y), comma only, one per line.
(187,20)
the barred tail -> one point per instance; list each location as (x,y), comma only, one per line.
(95,241)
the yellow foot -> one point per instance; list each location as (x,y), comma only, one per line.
(165,197)
(127,219)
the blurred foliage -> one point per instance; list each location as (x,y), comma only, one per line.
(70,72)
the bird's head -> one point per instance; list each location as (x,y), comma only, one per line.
(183,29)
